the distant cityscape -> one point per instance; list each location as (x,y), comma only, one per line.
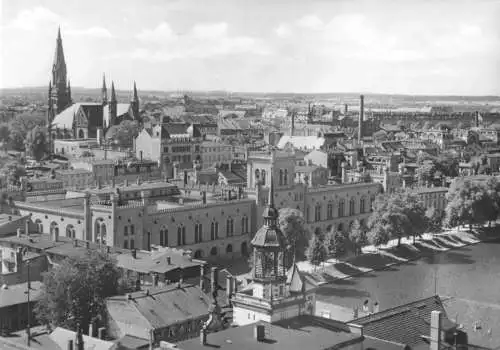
(135,219)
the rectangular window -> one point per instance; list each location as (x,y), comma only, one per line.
(132,229)
(125,231)
(132,245)
(125,244)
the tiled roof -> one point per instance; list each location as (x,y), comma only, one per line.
(162,307)
(65,118)
(15,294)
(403,324)
(156,262)
(298,333)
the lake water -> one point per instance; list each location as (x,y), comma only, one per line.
(471,272)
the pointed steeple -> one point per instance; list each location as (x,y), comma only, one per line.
(104,90)
(59,64)
(135,98)
(61,95)
(113,93)
(69,91)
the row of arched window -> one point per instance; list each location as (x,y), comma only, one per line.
(198,231)
(341,209)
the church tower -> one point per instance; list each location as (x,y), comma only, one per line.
(112,107)
(276,292)
(61,93)
(134,104)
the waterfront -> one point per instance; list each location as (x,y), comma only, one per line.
(471,272)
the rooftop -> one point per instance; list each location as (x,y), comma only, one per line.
(303,332)
(160,307)
(16,293)
(403,324)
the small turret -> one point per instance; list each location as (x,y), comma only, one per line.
(112,106)
(104,91)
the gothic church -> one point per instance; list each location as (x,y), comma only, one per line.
(83,120)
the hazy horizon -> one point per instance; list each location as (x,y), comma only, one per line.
(405,47)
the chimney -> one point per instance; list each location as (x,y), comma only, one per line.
(19,258)
(259,332)
(292,129)
(214,277)
(346,109)
(156,279)
(361,117)
(18,231)
(101,333)
(169,260)
(435,330)
(70,344)
(376,307)
(134,253)
(229,288)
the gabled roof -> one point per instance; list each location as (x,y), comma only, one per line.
(64,120)
(403,324)
(294,279)
(160,307)
(15,293)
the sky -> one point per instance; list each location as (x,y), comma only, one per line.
(378,46)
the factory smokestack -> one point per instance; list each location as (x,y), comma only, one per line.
(292,129)
(361,118)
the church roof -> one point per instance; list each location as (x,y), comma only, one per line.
(121,109)
(65,119)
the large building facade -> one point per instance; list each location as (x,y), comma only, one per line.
(210,221)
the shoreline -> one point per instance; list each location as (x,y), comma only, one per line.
(387,256)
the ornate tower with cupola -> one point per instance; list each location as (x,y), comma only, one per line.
(276,292)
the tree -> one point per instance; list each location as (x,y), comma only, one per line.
(466,201)
(74,291)
(388,213)
(21,125)
(414,209)
(13,171)
(434,218)
(291,222)
(425,172)
(357,236)
(377,234)
(37,142)
(317,251)
(126,132)
(335,243)
(4,132)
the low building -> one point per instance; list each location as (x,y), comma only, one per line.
(76,178)
(311,175)
(172,313)
(102,169)
(215,153)
(432,197)
(14,305)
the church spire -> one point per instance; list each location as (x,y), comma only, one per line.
(104,90)
(135,103)
(60,92)
(113,93)
(69,91)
